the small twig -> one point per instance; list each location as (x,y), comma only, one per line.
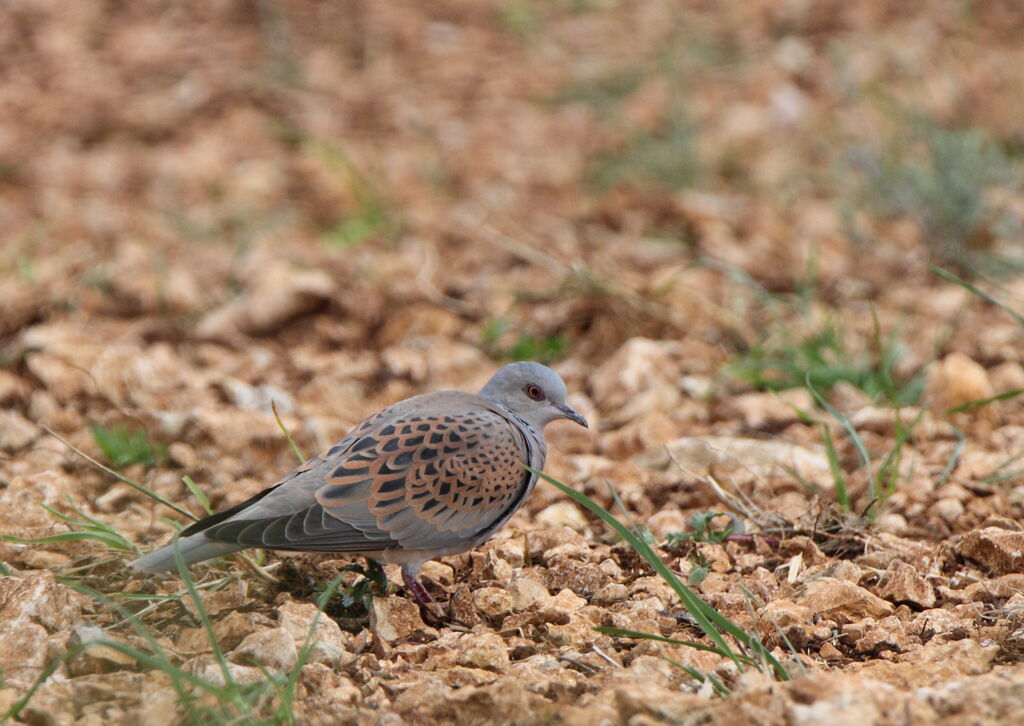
(605,656)
(746,507)
(259,570)
(584,668)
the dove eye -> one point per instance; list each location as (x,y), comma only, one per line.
(535,392)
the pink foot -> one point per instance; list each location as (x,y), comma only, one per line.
(414,586)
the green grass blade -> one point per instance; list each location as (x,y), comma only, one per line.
(950,277)
(178,677)
(87,519)
(287,692)
(640,635)
(20,704)
(197,493)
(113,542)
(753,602)
(719,688)
(887,472)
(842,496)
(709,619)
(971,405)
(954,457)
(995,476)
(287,434)
(211,636)
(865,457)
(144,596)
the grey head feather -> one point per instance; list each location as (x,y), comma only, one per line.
(532,391)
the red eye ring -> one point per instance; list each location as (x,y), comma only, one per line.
(535,392)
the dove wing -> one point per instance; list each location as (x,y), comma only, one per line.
(409,480)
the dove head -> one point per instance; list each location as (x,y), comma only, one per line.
(533,391)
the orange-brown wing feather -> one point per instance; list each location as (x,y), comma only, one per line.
(429,480)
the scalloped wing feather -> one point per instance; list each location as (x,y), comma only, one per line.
(407,479)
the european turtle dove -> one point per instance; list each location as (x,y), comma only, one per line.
(429,476)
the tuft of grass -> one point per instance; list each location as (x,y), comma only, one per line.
(977,292)
(775,357)
(353,601)
(700,676)
(665,158)
(823,359)
(836,469)
(542,348)
(370,218)
(518,17)
(269,702)
(656,155)
(605,93)
(120,477)
(727,638)
(704,530)
(123,446)
(940,178)
(881,481)
(83,527)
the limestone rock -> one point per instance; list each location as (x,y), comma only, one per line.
(954,381)
(638,365)
(843,601)
(666,522)
(96,656)
(328,643)
(564,513)
(767,410)
(39,598)
(241,674)
(611,593)
(485,651)
(16,432)
(328,686)
(998,551)
(650,699)
(794,621)
(275,295)
(234,627)
(527,592)
(273,648)
(493,602)
(869,637)
(902,584)
(940,623)
(395,619)
(30,609)
(760,457)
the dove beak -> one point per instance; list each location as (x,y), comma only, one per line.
(570,413)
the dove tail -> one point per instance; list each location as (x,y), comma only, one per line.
(193,549)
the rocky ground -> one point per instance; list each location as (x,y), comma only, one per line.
(702,216)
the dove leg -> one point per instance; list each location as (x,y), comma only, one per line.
(413,585)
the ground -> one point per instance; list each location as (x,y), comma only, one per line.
(771,247)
